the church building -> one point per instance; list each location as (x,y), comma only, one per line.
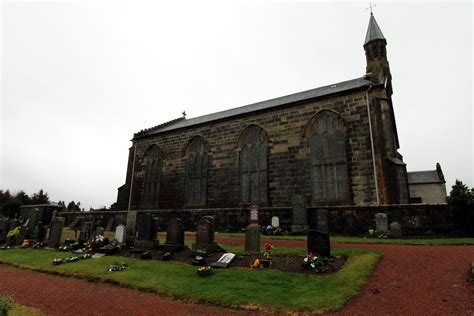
(335,145)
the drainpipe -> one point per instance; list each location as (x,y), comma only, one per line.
(372,145)
(133,172)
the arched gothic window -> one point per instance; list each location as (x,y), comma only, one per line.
(196,173)
(329,173)
(151,183)
(253,166)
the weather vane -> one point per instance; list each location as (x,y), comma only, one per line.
(370,7)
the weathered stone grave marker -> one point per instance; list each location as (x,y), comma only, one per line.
(252,231)
(275,222)
(131,224)
(120,233)
(299,223)
(110,224)
(381,223)
(86,232)
(146,232)
(395,229)
(205,243)
(56,232)
(174,235)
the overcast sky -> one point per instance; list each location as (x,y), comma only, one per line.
(79,78)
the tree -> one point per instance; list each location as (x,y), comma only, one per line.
(5,196)
(40,198)
(11,208)
(23,197)
(461,205)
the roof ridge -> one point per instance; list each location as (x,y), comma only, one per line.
(165,124)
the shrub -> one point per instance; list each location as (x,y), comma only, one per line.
(6,304)
(461,206)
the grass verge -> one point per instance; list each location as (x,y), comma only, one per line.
(237,288)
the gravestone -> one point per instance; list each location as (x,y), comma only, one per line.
(39,232)
(318,235)
(275,221)
(224,261)
(204,238)
(131,224)
(395,229)
(34,216)
(252,231)
(350,226)
(86,232)
(110,224)
(77,222)
(174,235)
(381,223)
(146,232)
(4,229)
(120,233)
(56,232)
(299,223)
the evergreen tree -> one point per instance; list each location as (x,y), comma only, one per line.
(40,198)
(461,205)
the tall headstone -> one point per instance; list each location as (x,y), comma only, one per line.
(252,231)
(174,235)
(4,228)
(204,238)
(131,224)
(39,232)
(146,238)
(86,231)
(77,222)
(56,232)
(318,235)
(299,223)
(120,233)
(395,229)
(381,223)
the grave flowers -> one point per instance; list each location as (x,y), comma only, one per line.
(117,267)
(319,264)
(268,250)
(205,271)
(255,264)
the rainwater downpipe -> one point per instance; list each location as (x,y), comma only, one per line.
(133,172)
(372,145)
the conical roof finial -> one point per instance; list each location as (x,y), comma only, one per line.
(373,31)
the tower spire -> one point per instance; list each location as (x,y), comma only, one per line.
(376,53)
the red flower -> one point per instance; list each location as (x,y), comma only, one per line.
(268,246)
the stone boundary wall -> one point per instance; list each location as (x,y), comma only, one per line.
(415,219)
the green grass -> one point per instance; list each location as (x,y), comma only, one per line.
(372,240)
(267,289)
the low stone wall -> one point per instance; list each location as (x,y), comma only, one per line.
(415,219)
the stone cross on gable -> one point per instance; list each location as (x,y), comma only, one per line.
(184,114)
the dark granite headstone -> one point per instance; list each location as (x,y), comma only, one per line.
(56,232)
(4,228)
(395,229)
(350,226)
(77,222)
(224,261)
(319,243)
(299,223)
(322,221)
(39,232)
(146,227)
(174,235)
(86,232)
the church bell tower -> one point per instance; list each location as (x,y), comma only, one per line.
(376,54)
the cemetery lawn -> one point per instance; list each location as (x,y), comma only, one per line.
(368,240)
(236,287)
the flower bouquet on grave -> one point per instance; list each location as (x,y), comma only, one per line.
(318,263)
(205,271)
(117,267)
(268,250)
(255,264)
(57,261)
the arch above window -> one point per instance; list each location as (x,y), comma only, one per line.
(326,134)
(151,182)
(196,172)
(253,165)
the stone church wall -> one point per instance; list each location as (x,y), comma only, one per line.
(288,155)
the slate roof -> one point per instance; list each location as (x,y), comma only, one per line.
(428,176)
(373,31)
(260,106)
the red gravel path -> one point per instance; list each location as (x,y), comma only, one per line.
(409,280)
